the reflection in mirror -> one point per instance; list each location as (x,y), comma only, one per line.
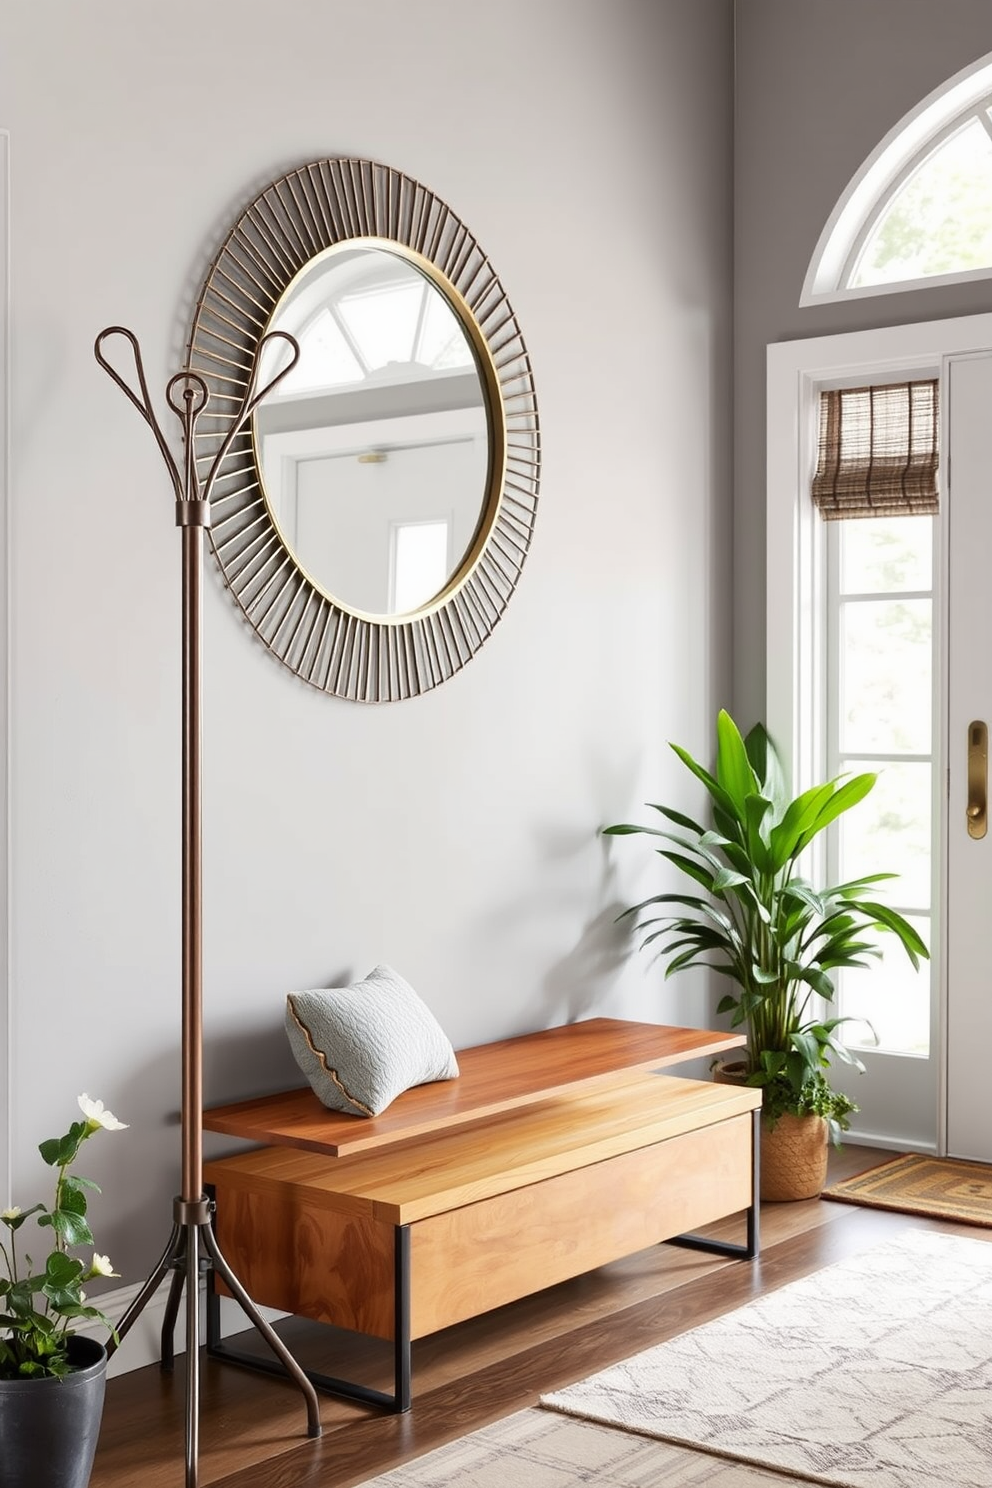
(374,454)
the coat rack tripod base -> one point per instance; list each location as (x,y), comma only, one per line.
(192,1249)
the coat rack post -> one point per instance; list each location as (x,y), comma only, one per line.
(192,1247)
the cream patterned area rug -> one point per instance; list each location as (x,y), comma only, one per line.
(874,1373)
(541,1449)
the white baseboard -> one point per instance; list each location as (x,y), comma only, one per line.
(142,1345)
(890,1144)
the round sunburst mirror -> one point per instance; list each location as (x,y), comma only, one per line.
(373,521)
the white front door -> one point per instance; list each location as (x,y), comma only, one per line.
(939,1101)
(968,1033)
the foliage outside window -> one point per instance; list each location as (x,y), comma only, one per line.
(939,219)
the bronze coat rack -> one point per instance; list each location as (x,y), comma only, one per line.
(192,1247)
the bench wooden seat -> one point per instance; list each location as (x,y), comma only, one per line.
(493,1077)
(576,1154)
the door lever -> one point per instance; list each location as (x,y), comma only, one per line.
(978,762)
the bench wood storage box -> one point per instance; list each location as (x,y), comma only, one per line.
(551,1154)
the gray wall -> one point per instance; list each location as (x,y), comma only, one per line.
(588,145)
(819,85)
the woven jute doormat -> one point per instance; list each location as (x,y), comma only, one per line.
(940,1187)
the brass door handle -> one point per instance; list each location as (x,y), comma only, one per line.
(978,772)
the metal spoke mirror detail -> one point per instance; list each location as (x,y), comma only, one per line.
(373,522)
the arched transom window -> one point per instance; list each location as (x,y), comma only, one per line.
(919,211)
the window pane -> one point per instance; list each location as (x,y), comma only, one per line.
(383,321)
(882,554)
(889,832)
(891,995)
(420,563)
(940,221)
(326,359)
(443,343)
(885,669)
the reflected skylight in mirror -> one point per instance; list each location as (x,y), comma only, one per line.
(393,318)
(326,359)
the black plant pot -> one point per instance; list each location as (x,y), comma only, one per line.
(49,1427)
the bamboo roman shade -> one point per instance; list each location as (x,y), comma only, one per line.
(878,451)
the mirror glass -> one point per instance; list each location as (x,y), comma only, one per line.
(374,450)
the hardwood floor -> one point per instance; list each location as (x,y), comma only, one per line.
(252,1429)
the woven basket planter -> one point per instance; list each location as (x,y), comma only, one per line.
(793,1158)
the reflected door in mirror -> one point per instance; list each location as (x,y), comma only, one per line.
(375,453)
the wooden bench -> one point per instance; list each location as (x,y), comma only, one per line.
(551,1154)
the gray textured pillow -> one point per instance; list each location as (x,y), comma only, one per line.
(362,1046)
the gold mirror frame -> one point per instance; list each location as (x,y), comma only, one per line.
(332,647)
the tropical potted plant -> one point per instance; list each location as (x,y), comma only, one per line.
(754,918)
(51,1377)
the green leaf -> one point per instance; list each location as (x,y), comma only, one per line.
(59,1152)
(809,1047)
(73,1181)
(858,884)
(729,826)
(733,768)
(691,869)
(677,817)
(842,798)
(70,1227)
(60,1298)
(767,767)
(784,840)
(62,1270)
(915,948)
(757,809)
(722,800)
(625,829)
(685,958)
(84,1310)
(799,892)
(73,1199)
(817,979)
(765,977)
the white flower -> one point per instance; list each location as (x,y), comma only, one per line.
(100,1266)
(14,1212)
(97,1116)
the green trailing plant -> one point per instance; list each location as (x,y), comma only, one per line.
(42,1304)
(814,1098)
(753,917)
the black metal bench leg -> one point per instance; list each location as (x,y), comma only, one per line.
(396,1403)
(752,1245)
